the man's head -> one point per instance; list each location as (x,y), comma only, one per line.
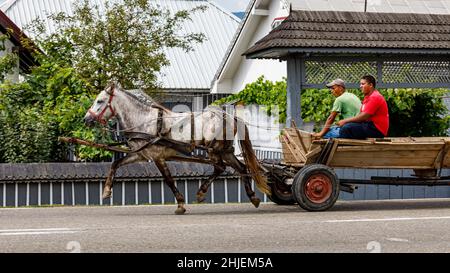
(367,84)
(337,87)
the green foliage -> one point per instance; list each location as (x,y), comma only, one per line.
(413,112)
(417,112)
(262,92)
(51,102)
(7,61)
(25,138)
(126,42)
(316,104)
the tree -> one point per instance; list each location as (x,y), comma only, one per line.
(126,42)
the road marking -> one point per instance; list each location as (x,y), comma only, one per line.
(46,231)
(387,219)
(397,240)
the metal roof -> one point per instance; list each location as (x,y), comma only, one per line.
(311,31)
(193,70)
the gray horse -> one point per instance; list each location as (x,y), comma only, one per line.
(158,134)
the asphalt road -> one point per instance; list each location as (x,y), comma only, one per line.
(368,226)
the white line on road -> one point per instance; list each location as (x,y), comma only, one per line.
(397,240)
(46,231)
(37,233)
(387,219)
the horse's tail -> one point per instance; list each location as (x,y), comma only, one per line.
(252,163)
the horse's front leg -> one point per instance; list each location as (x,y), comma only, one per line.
(130,158)
(219,168)
(164,169)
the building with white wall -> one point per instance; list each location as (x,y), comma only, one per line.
(236,71)
(14,45)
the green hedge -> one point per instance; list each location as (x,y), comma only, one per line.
(51,102)
(413,112)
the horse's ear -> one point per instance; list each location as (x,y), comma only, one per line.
(110,87)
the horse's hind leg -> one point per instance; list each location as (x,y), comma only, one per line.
(218,169)
(163,168)
(130,158)
(231,160)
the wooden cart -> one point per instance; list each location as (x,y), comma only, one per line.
(306,176)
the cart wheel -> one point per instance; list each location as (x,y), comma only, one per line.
(316,187)
(281,192)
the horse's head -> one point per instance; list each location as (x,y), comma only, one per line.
(102,109)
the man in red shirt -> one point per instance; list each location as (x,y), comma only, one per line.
(373,119)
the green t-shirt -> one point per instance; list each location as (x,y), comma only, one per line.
(347,104)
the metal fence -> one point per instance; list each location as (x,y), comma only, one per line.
(125,192)
(135,184)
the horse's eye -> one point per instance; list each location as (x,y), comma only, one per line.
(100,101)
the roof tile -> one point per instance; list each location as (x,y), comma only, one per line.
(332,29)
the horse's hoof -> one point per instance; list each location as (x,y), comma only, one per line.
(255,202)
(180,211)
(106,194)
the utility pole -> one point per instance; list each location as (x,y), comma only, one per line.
(365,6)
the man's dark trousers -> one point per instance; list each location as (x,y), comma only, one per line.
(360,130)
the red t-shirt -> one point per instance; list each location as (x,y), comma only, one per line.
(376,106)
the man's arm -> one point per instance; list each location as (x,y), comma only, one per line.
(328,124)
(361,117)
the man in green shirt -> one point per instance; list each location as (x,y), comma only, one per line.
(346,104)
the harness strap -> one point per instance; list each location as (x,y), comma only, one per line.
(192,129)
(224,128)
(184,148)
(159,124)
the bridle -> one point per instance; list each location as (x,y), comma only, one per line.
(99,117)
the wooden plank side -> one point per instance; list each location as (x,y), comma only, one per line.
(445,161)
(288,158)
(301,138)
(393,159)
(295,149)
(331,155)
(401,155)
(287,155)
(432,148)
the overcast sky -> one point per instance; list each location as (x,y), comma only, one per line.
(233,5)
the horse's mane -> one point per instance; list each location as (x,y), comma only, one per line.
(142,97)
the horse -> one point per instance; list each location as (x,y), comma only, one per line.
(154,133)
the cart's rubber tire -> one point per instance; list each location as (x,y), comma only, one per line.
(281,193)
(316,187)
